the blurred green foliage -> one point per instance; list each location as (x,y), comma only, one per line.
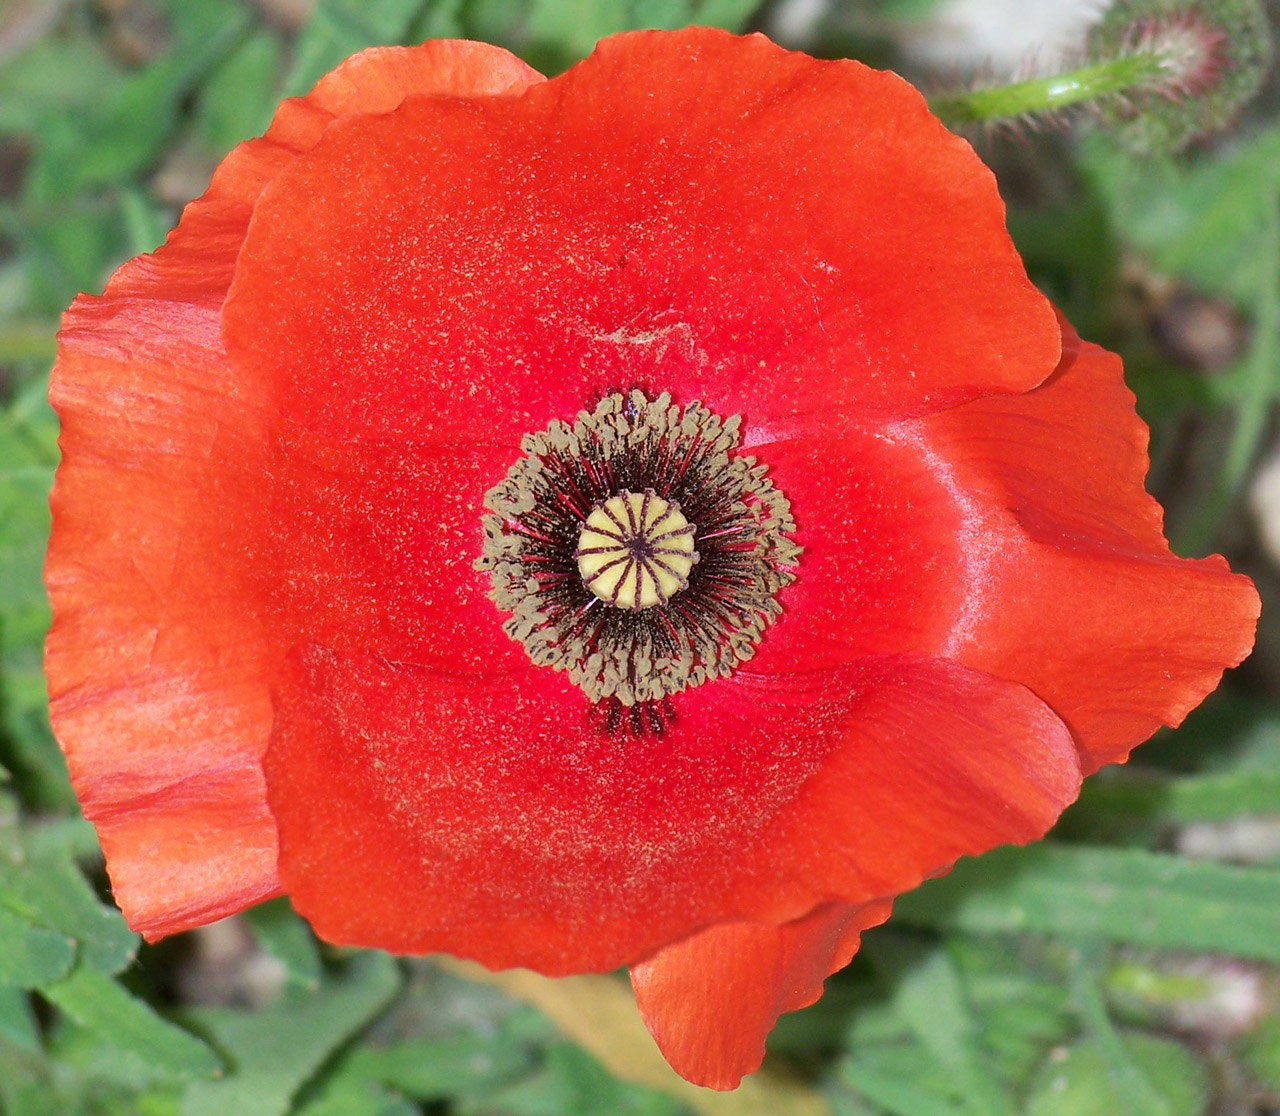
(1089,976)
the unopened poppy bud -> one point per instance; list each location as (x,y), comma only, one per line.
(1210,59)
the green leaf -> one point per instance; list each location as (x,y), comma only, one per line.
(1018,998)
(117,137)
(1252,385)
(1229,732)
(1078,1080)
(344,1097)
(30,955)
(288,939)
(71,838)
(54,77)
(1118,895)
(28,454)
(845,1103)
(1070,253)
(928,994)
(1194,218)
(845,1006)
(338,28)
(1260,1052)
(50,891)
(929,1084)
(27,341)
(732,15)
(17,1021)
(240,95)
(1018,1034)
(24,1088)
(573,1083)
(663,15)
(440,19)
(494,21)
(273,1052)
(97,1002)
(145,223)
(1228,203)
(1124,1077)
(564,31)
(431,1069)
(64,247)
(896,1095)
(1153,795)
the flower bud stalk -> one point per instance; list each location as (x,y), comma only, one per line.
(1048,94)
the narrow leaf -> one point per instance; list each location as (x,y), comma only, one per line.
(17,1022)
(357,1098)
(1138,1096)
(895,1095)
(1156,796)
(50,890)
(30,955)
(272,1053)
(1118,895)
(928,994)
(339,28)
(441,1068)
(732,15)
(97,1002)
(288,939)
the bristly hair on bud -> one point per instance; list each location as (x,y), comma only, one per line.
(1160,73)
(1211,58)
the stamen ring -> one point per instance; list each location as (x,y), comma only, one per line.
(636,551)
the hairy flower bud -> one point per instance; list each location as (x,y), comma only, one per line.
(1211,58)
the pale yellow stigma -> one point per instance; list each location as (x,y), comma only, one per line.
(636,550)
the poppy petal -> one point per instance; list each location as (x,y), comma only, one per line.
(426,811)
(884,568)
(711,1000)
(708,227)
(200,254)
(380,543)
(155,641)
(1083,600)
(1117,647)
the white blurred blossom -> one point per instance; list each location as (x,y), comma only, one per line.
(1001,35)
(1264,502)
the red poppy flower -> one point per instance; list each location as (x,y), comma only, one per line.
(644,517)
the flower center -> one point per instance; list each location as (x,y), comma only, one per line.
(634,550)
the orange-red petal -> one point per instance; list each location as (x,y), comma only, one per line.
(884,565)
(687,211)
(155,660)
(379,544)
(711,1000)
(157,664)
(1081,598)
(494,818)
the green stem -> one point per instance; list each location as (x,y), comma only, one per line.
(1126,74)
